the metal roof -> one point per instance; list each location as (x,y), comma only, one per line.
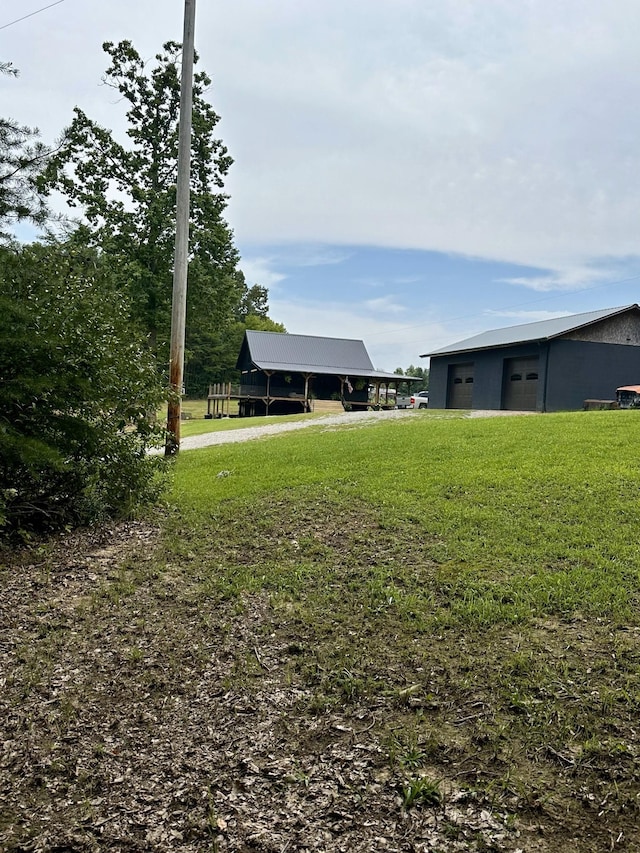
(526,332)
(280,351)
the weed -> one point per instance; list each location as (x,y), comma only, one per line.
(135,654)
(348,685)
(421,791)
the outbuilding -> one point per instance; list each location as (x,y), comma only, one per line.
(283,373)
(548,366)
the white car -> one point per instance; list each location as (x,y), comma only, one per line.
(420,400)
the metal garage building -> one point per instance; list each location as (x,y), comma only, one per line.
(550,366)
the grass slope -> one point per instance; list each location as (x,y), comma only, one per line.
(418,635)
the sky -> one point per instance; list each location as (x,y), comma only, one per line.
(406,172)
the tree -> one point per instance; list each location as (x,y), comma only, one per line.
(211,357)
(78,392)
(127,195)
(21,158)
(421,373)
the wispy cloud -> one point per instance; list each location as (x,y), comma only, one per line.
(316,256)
(570,279)
(280,262)
(301,254)
(260,271)
(377,282)
(385,305)
(386,340)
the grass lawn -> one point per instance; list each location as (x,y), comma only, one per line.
(418,635)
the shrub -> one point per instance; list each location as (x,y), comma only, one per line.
(78,393)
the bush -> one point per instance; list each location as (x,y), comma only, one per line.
(78,393)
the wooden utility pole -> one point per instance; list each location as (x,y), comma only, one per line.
(181,255)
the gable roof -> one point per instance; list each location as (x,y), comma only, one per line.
(280,351)
(543,330)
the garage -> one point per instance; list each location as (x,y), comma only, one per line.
(552,365)
(460,386)
(520,388)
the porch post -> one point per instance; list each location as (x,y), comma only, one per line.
(269,374)
(307,377)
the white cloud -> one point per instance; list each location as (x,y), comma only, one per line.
(570,279)
(493,129)
(386,339)
(258,270)
(316,256)
(501,130)
(385,305)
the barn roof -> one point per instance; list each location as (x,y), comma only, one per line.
(527,332)
(280,351)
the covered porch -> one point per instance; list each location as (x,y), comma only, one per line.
(269,392)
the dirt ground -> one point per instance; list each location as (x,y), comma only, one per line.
(135,718)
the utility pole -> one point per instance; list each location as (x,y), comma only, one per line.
(181,255)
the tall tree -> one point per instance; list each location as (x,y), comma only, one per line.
(21,158)
(127,194)
(212,357)
(78,388)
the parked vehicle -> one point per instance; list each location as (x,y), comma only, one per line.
(403,402)
(420,400)
(628,397)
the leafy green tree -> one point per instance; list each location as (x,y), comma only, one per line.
(211,357)
(421,373)
(78,392)
(127,195)
(21,158)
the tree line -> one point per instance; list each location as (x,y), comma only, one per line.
(85,310)
(421,373)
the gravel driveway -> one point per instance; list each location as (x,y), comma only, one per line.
(248,433)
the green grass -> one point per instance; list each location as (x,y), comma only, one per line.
(502,519)
(478,578)
(441,611)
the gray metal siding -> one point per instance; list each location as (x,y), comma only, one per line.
(583,370)
(542,330)
(569,372)
(275,351)
(488,375)
(438,383)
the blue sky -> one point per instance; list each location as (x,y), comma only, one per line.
(407,302)
(408,172)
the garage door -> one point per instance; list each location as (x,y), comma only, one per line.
(460,386)
(520,390)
